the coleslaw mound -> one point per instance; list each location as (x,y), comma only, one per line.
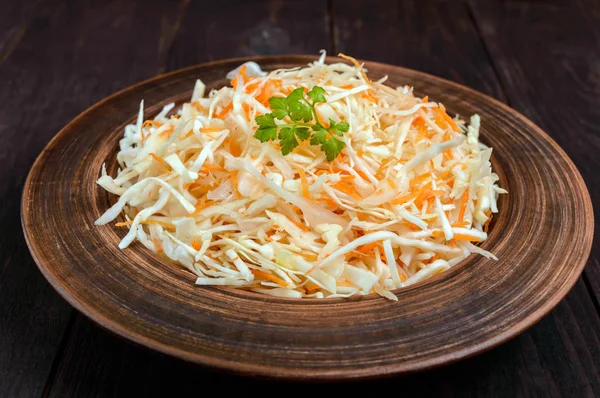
(406,199)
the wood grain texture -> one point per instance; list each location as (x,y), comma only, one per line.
(544,361)
(69,56)
(476,305)
(246,28)
(562,96)
(113,367)
(437,38)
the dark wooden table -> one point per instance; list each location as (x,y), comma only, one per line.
(58,58)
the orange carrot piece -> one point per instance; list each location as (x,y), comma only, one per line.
(463,206)
(304,183)
(270,277)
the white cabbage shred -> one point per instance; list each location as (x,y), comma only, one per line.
(409,196)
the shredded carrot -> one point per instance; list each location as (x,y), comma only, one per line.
(304,183)
(300,225)
(196,244)
(486,225)
(329,201)
(247,111)
(161,223)
(347,86)
(418,179)
(382,167)
(242,73)
(270,277)
(358,66)
(428,195)
(452,243)
(404,198)
(213,167)
(157,245)
(364,249)
(348,190)
(391,183)
(369,95)
(443,119)
(425,99)
(201,207)
(158,158)
(198,106)
(268,90)
(210,130)
(440,234)
(167,132)
(463,206)
(124,223)
(224,111)
(344,283)
(234,181)
(152,123)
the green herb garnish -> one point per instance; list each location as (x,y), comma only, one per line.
(300,109)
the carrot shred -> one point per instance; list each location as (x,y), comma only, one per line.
(198,106)
(299,225)
(234,181)
(463,206)
(247,111)
(358,66)
(123,223)
(224,111)
(158,158)
(348,190)
(440,234)
(208,166)
(304,183)
(486,225)
(201,207)
(157,245)
(270,277)
(196,244)
(210,130)
(364,249)
(151,123)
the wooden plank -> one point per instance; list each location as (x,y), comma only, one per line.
(214,30)
(545,361)
(14,21)
(437,38)
(208,31)
(98,364)
(556,83)
(559,356)
(71,55)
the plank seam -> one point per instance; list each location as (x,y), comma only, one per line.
(487,52)
(331,25)
(60,354)
(14,39)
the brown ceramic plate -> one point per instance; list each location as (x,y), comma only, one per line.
(542,236)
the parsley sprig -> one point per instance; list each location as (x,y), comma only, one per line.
(300,109)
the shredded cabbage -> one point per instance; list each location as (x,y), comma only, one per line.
(406,199)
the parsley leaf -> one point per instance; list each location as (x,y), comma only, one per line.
(299,109)
(338,128)
(287,138)
(319,137)
(332,148)
(317,94)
